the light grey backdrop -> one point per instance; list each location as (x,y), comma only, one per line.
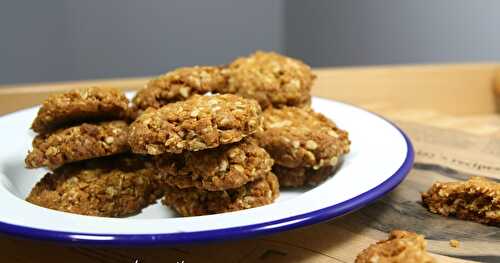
(67,40)
(330,33)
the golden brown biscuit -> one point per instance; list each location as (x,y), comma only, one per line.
(477,199)
(199,123)
(113,187)
(89,104)
(225,167)
(196,202)
(302,176)
(177,85)
(271,79)
(85,141)
(300,137)
(401,246)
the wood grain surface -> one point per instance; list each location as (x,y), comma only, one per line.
(454,89)
(454,97)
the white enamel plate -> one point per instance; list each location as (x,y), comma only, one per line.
(381,156)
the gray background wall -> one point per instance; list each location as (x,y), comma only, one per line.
(34,42)
(330,33)
(65,40)
(69,40)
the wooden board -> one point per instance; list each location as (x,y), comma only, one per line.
(454,89)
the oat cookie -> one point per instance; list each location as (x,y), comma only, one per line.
(85,141)
(196,202)
(401,246)
(477,199)
(226,167)
(89,104)
(177,85)
(199,123)
(302,176)
(271,79)
(112,187)
(300,137)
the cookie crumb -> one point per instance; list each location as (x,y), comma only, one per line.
(454,243)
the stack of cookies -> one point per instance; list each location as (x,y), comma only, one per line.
(305,145)
(205,154)
(199,138)
(82,138)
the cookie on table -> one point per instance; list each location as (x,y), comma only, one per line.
(88,104)
(401,246)
(199,123)
(197,202)
(271,79)
(226,167)
(299,137)
(178,85)
(110,187)
(81,142)
(477,199)
(302,176)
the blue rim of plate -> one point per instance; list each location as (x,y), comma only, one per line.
(226,233)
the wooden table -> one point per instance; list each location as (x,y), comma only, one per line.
(452,96)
